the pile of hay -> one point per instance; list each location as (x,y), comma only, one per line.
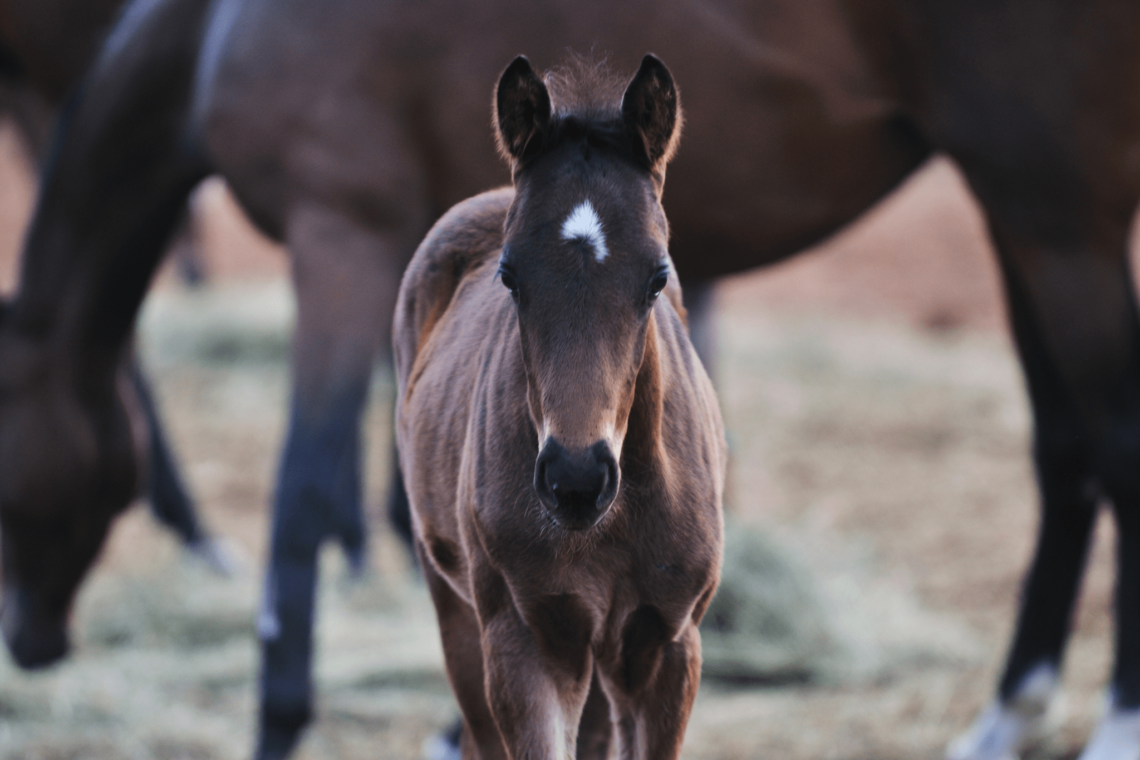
(766,624)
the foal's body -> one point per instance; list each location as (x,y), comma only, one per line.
(545,599)
(539,596)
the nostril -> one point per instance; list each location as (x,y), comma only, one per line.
(602,486)
(545,482)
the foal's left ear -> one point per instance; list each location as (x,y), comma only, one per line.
(522,110)
(651,110)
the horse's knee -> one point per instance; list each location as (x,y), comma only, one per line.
(1061,453)
(319,486)
(1118,465)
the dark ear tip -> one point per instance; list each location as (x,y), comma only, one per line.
(651,63)
(519,66)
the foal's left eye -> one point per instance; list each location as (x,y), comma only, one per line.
(657,284)
(509,281)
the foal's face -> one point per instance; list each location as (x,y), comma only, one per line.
(585,258)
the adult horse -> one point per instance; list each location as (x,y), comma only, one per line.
(45,48)
(343,127)
(569,527)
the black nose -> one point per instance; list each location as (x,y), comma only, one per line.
(577,487)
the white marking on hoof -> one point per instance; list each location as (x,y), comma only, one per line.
(1004,729)
(220,555)
(584,224)
(268,624)
(1116,738)
(439,748)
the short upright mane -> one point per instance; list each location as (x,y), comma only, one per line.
(586,89)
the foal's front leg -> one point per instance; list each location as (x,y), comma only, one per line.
(651,685)
(537,671)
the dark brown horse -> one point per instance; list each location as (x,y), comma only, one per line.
(344,128)
(45,48)
(568,525)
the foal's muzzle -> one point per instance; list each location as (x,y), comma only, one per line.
(576,487)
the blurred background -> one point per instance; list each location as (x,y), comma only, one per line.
(881,506)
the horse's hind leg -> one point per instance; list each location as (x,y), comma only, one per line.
(346,279)
(1075,322)
(169,501)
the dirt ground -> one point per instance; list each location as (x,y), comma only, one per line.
(879,433)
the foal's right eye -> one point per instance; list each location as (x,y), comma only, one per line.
(509,282)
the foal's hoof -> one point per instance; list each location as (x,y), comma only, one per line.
(445,746)
(1116,738)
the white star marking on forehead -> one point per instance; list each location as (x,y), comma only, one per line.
(584,224)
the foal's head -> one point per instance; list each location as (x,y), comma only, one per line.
(585,258)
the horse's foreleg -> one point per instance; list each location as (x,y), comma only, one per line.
(652,686)
(346,280)
(169,501)
(595,733)
(463,654)
(538,674)
(399,509)
(1074,319)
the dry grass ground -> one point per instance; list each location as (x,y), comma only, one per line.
(879,433)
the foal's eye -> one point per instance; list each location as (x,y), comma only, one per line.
(509,281)
(657,284)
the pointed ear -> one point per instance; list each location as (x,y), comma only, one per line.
(522,110)
(651,110)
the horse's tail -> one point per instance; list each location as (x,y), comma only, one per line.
(120,168)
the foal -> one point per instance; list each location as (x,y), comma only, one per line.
(561,443)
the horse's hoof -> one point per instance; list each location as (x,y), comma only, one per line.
(280,732)
(220,555)
(445,746)
(1116,738)
(995,735)
(1005,728)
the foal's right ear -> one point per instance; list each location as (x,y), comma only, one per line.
(522,110)
(651,110)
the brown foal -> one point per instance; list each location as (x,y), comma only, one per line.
(562,445)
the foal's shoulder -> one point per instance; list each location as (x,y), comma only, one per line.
(464,238)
